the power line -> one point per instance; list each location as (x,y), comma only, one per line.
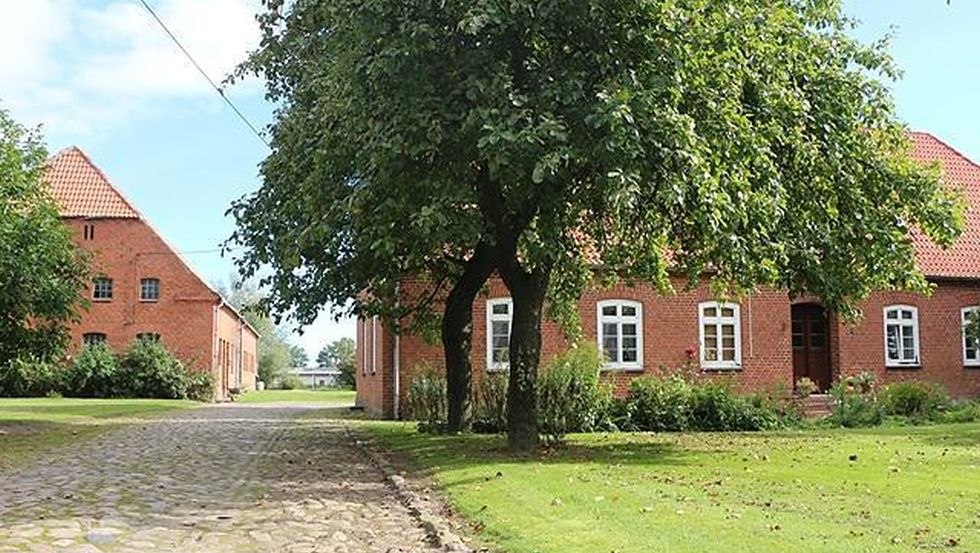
(203,73)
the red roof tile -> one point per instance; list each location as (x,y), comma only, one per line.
(82,190)
(962,259)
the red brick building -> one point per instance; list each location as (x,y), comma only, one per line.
(142,287)
(766,341)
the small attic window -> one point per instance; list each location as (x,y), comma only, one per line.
(89,232)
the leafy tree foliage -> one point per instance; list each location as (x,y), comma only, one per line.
(42,272)
(275,356)
(340,355)
(570,143)
(298,356)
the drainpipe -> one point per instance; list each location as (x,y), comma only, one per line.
(395,367)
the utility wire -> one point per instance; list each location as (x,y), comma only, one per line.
(203,73)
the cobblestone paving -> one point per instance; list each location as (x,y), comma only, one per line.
(223,478)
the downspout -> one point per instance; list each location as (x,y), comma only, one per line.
(395,367)
(214,345)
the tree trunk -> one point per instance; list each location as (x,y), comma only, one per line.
(528,292)
(457,340)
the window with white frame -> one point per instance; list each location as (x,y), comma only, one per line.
(901,336)
(620,333)
(149,289)
(721,335)
(499,314)
(971,342)
(93,338)
(102,289)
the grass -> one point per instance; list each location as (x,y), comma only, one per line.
(30,427)
(905,489)
(333,397)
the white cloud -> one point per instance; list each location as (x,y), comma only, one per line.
(82,69)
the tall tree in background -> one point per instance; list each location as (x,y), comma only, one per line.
(570,143)
(298,356)
(340,355)
(275,356)
(42,272)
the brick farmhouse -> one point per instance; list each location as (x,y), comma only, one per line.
(766,341)
(142,286)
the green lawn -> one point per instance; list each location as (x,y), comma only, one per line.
(28,427)
(906,489)
(332,397)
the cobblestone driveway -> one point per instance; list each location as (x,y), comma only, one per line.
(224,478)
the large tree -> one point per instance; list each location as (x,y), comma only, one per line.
(42,272)
(340,355)
(569,143)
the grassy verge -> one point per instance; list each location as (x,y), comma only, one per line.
(29,427)
(886,489)
(333,397)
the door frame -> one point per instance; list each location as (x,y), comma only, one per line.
(830,335)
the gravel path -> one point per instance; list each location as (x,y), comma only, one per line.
(223,478)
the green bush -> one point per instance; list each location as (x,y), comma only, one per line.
(93,373)
(149,370)
(290,382)
(570,397)
(961,411)
(200,386)
(675,404)
(918,401)
(427,398)
(491,406)
(659,404)
(855,406)
(29,377)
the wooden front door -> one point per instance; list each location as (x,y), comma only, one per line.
(811,345)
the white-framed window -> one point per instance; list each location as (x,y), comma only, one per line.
(721,335)
(369,345)
(500,312)
(93,338)
(901,336)
(102,289)
(149,289)
(971,344)
(619,330)
(148,336)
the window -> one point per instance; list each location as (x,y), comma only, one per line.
(102,289)
(620,333)
(499,312)
(150,289)
(971,343)
(721,335)
(369,339)
(148,336)
(89,232)
(93,338)
(901,336)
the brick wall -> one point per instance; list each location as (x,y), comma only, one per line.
(670,327)
(128,250)
(862,347)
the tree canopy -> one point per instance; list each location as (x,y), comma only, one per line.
(748,143)
(340,355)
(42,272)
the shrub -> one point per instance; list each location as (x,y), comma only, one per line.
(29,377)
(853,408)
(149,370)
(919,401)
(200,386)
(961,411)
(491,406)
(570,398)
(93,373)
(290,382)
(660,404)
(715,408)
(427,398)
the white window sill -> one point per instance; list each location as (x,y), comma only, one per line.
(720,368)
(498,369)
(915,365)
(622,368)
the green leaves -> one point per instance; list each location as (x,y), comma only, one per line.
(42,272)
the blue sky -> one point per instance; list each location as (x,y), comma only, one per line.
(101,75)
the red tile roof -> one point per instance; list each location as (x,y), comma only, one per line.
(962,259)
(82,190)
